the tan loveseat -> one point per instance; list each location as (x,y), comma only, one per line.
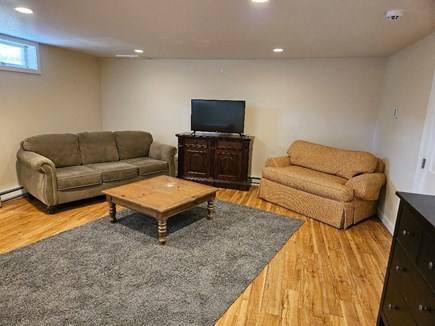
(60,168)
(335,186)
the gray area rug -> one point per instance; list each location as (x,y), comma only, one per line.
(118,274)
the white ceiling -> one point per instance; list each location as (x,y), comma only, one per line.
(221,29)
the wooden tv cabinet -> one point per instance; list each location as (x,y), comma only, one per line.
(220,160)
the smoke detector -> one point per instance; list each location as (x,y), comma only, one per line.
(394,14)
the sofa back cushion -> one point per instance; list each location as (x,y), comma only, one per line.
(62,149)
(97,147)
(133,144)
(343,163)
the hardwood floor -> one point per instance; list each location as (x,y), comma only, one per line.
(322,276)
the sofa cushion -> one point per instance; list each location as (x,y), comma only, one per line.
(343,163)
(61,149)
(310,181)
(73,177)
(132,144)
(113,171)
(97,147)
(148,165)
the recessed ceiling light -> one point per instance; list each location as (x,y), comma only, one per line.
(259,1)
(24,10)
(127,55)
(278,50)
(138,51)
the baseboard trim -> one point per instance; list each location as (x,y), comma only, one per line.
(10,194)
(385,221)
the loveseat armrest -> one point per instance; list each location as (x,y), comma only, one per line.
(37,174)
(279,161)
(367,186)
(163,152)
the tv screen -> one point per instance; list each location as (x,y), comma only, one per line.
(218,116)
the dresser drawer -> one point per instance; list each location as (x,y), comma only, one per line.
(416,295)
(409,232)
(228,144)
(426,260)
(197,142)
(395,308)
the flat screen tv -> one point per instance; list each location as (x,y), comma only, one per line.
(218,116)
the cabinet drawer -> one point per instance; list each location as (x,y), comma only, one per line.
(394,307)
(197,142)
(426,260)
(416,295)
(228,144)
(409,232)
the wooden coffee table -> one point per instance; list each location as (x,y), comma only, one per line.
(160,198)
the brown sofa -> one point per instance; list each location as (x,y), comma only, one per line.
(60,168)
(335,186)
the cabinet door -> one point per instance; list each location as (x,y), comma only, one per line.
(196,163)
(228,165)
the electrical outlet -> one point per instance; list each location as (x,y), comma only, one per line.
(396,112)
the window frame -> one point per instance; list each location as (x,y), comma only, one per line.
(25,45)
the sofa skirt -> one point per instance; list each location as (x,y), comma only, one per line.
(335,213)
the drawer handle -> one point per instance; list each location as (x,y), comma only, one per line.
(400,268)
(392,306)
(406,233)
(422,308)
(430,265)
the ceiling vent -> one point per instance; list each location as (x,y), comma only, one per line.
(394,14)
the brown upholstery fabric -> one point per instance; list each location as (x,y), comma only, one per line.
(332,212)
(76,177)
(148,165)
(343,163)
(61,149)
(280,161)
(132,144)
(112,171)
(311,181)
(97,147)
(364,209)
(367,186)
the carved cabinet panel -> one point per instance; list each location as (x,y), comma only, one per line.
(215,159)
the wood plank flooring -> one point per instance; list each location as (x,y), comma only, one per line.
(322,276)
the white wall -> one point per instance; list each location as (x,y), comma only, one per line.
(407,85)
(64,98)
(330,101)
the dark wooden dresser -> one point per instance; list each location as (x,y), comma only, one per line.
(408,297)
(220,160)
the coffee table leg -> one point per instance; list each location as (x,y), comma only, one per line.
(162,232)
(112,212)
(210,209)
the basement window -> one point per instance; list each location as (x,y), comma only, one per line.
(19,55)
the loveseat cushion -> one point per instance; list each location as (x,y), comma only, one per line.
(73,177)
(310,181)
(114,171)
(340,162)
(61,149)
(97,147)
(132,144)
(148,165)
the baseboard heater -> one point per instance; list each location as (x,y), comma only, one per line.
(9,194)
(254,181)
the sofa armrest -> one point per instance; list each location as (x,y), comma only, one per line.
(279,161)
(37,174)
(367,186)
(163,152)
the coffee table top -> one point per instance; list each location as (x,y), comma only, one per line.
(162,193)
